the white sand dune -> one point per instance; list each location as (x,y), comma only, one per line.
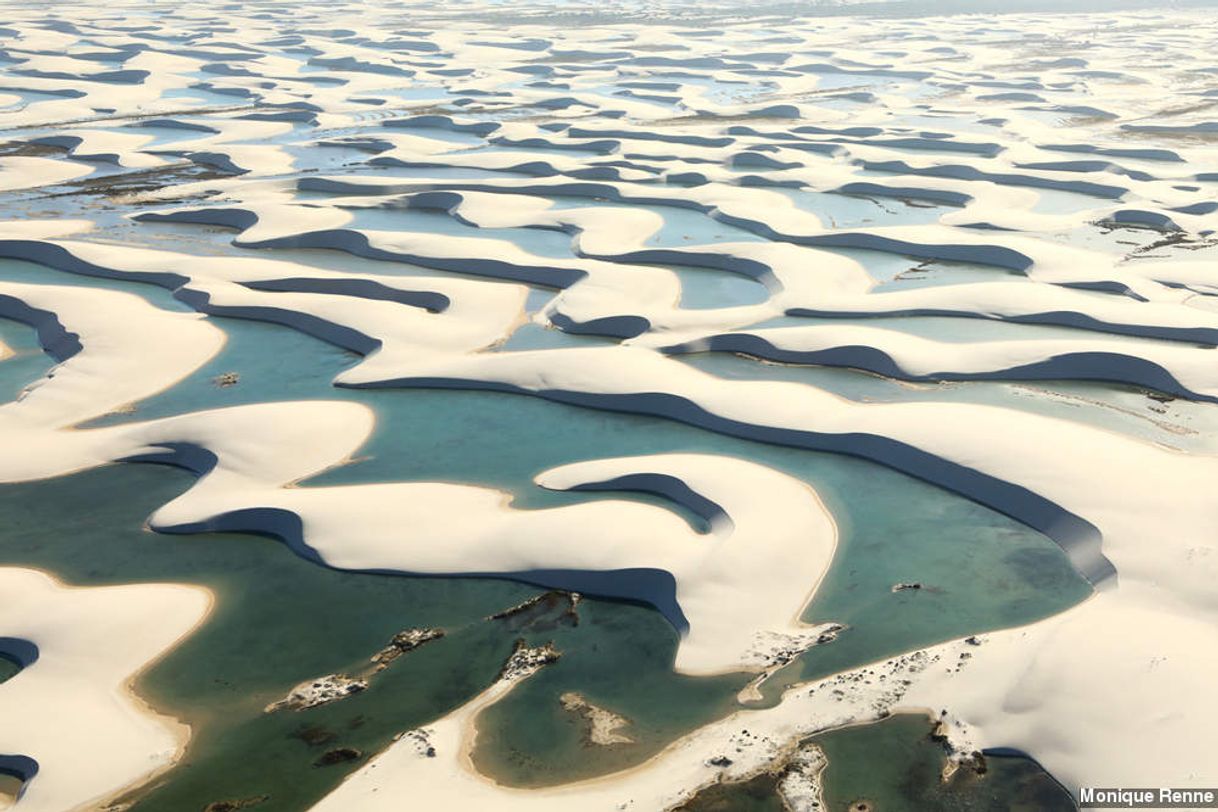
(1179,369)
(24,173)
(427,185)
(70,710)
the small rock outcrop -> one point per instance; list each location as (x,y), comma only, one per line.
(235,804)
(402,642)
(547,610)
(339,755)
(333,687)
(526,661)
(320,691)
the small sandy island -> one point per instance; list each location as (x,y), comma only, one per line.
(602,724)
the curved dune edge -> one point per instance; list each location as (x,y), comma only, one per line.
(1186,371)
(73,711)
(719,590)
(147,350)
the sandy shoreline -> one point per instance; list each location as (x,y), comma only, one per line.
(101,705)
(182,729)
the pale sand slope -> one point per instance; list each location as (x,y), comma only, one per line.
(71,710)
(1178,368)
(23,173)
(135,350)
